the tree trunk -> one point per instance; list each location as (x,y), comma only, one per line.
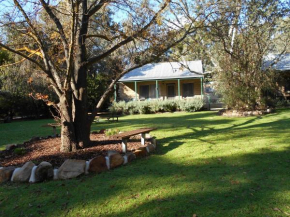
(68,141)
(75,125)
(81,123)
(75,134)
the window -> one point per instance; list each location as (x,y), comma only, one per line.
(148,91)
(152,91)
(187,89)
(144,91)
(170,90)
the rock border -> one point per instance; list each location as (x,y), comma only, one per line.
(71,168)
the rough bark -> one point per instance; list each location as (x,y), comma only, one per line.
(68,140)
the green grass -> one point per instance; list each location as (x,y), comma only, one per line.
(205,165)
(21,131)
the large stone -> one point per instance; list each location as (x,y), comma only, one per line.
(44,171)
(110,153)
(130,156)
(32,176)
(116,160)
(55,177)
(150,148)
(141,152)
(87,167)
(107,162)
(71,169)
(6,173)
(98,164)
(23,174)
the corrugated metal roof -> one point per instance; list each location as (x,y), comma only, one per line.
(283,64)
(166,70)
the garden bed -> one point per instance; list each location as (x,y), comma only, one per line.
(47,149)
(236,113)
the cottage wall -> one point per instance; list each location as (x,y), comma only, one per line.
(127,90)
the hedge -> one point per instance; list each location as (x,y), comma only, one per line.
(154,106)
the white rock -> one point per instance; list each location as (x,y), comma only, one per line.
(15,172)
(55,177)
(87,167)
(24,173)
(125,159)
(147,149)
(110,153)
(32,176)
(71,168)
(108,162)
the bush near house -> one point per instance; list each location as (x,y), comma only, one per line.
(154,106)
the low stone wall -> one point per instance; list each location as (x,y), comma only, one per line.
(72,168)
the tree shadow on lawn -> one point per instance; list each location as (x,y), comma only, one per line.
(235,131)
(253,184)
(203,127)
(161,121)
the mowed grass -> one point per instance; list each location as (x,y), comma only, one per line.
(21,131)
(205,165)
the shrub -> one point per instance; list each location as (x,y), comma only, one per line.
(131,107)
(111,132)
(170,106)
(282,103)
(19,151)
(154,106)
(118,107)
(193,105)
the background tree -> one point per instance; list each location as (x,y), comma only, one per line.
(236,39)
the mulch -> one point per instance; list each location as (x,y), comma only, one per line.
(49,150)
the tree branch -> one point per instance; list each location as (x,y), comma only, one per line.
(58,25)
(93,9)
(128,39)
(47,62)
(99,36)
(25,56)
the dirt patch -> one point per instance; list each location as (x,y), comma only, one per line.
(48,150)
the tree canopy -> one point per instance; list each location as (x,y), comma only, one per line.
(66,39)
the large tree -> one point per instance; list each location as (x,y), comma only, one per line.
(246,39)
(64,39)
(235,41)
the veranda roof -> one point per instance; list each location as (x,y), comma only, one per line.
(166,70)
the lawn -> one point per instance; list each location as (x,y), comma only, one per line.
(205,165)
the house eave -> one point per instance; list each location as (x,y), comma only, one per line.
(162,79)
